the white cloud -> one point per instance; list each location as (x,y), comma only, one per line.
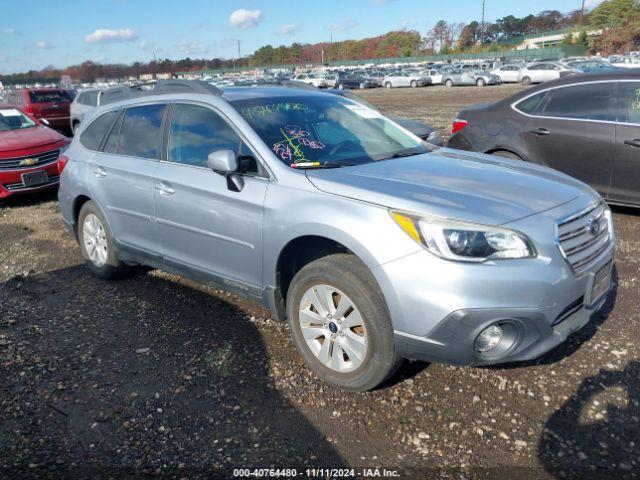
(44,45)
(143,45)
(105,35)
(343,26)
(242,18)
(8,30)
(589,4)
(187,47)
(288,29)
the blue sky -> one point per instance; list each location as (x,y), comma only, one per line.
(37,33)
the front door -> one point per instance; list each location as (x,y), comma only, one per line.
(625,184)
(572,132)
(204,226)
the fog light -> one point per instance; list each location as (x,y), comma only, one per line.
(489,339)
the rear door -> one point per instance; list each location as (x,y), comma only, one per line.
(625,184)
(123,174)
(205,226)
(572,131)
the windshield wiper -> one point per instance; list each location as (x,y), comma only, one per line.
(331,164)
(402,153)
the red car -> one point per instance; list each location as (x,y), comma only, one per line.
(29,153)
(50,104)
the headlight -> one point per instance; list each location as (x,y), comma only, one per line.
(466,242)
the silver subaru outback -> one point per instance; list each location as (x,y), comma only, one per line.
(374,245)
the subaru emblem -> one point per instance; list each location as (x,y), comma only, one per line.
(593,226)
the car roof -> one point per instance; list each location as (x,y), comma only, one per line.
(622,74)
(266,91)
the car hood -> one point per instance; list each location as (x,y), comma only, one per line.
(12,140)
(458,185)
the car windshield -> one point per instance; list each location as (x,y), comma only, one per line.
(316,131)
(14,119)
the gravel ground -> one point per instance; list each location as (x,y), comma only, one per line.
(157,376)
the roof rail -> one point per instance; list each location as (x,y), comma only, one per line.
(158,88)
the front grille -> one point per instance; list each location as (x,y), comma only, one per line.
(583,237)
(29,161)
(14,187)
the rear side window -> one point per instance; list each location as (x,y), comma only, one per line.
(140,134)
(594,101)
(89,98)
(629,102)
(46,96)
(94,133)
(529,105)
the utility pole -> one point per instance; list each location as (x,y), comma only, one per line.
(239,55)
(482,25)
(582,13)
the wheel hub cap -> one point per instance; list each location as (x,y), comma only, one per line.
(333,328)
(95,240)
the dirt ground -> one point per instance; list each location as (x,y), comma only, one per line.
(157,376)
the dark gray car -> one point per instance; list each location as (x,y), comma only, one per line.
(587,126)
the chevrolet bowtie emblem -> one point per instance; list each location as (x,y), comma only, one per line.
(25,162)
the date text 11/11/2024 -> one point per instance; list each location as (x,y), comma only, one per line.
(333,473)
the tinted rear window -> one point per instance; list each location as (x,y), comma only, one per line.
(49,96)
(141,131)
(530,104)
(93,135)
(594,101)
(89,98)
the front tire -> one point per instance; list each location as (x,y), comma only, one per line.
(448,83)
(526,81)
(362,86)
(340,323)
(96,243)
(414,84)
(506,154)
(480,82)
(340,86)
(388,85)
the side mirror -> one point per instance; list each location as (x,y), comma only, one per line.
(225,162)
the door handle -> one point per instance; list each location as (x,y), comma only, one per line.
(540,131)
(100,172)
(164,189)
(634,143)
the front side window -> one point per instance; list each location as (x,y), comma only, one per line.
(325,130)
(92,136)
(592,101)
(629,102)
(14,119)
(140,134)
(198,131)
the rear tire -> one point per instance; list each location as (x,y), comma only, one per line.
(526,81)
(388,85)
(361,324)
(448,83)
(96,244)
(74,127)
(340,86)
(414,84)
(362,86)
(480,82)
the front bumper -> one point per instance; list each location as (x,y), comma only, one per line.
(439,307)
(11,182)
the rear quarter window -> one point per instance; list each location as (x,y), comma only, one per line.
(92,136)
(140,134)
(531,104)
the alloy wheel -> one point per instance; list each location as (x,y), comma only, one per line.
(95,240)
